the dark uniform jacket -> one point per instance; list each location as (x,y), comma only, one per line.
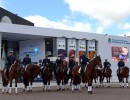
(71,63)
(106,64)
(83,60)
(45,62)
(59,61)
(121,64)
(10,61)
(26,61)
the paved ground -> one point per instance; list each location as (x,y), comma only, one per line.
(113,93)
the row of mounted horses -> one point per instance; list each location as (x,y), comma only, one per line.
(91,72)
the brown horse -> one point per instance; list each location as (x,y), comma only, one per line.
(76,78)
(60,77)
(108,74)
(46,76)
(13,74)
(31,71)
(124,73)
(90,71)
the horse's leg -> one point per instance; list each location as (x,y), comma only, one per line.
(109,81)
(58,84)
(16,89)
(63,88)
(3,88)
(48,85)
(127,82)
(31,83)
(90,86)
(10,81)
(45,84)
(27,85)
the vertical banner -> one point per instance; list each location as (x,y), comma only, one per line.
(81,47)
(71,48)
(91,48)
(61,47)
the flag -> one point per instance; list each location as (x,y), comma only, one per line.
(3,59)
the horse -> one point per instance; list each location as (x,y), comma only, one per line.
(108,74)
(124,73)
(30,72)
(90,72)
(76,78)
(60,77)
(46,76)
(98,74)
(14,72)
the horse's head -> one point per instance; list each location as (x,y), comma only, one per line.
(97,61)
(17,66)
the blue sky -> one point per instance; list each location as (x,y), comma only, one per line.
(96,16)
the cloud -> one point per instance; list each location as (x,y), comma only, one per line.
(125,26)
(105,11)
(100,30)
(65,24)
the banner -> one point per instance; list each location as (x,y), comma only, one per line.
(71,47)
(91,45)
(61,47)
(35,48)
(91,48)
(81,47)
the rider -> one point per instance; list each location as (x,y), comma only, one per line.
(64,62)
(46,61)
(106,64)
(10,60)
(26,60)
(72,63)
(83,61)
(120,64)
(59,61)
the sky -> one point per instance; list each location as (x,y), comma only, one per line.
(110,17)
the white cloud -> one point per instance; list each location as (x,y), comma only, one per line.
(65,24)
(124,26)
(105,11)
(99,30)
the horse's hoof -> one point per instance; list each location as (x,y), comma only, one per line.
(63,89)
(127,86)
(10,93)
(58,89)
(2,92)
(90,92)
(23,90)
(49,90)
(30,90)
(97,87)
